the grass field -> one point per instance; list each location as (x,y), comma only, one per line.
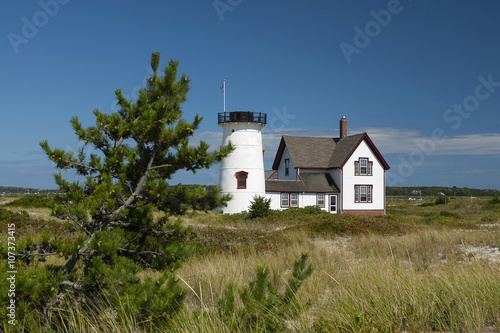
(430,268)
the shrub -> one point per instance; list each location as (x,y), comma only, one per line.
(8,217)
(449,214)
(224,240)
(441,200)
(312,210)
(32,201)
(494,200)
(259,207)
(356,225)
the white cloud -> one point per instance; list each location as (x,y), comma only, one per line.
(403,141)
(213,138)
(388,140)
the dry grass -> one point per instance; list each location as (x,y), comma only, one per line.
(422,281)
(418,282)
(36,213)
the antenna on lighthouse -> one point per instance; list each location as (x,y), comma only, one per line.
(223,88)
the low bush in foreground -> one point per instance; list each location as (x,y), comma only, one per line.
(9,217)
(494,201)
(259,207)
(224,240)
(33,201)
(357,225)
(263,307)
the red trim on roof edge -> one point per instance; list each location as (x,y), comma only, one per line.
(372,147)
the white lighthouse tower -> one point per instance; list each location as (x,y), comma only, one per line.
(242,171)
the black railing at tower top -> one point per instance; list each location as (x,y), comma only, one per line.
(242,116)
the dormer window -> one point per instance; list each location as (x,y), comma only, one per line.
(363,167)
(287,166)
(241,179)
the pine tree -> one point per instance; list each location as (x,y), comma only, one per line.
(138,149)
(264,308)
(259,207)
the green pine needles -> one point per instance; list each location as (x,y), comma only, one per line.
(259,207)
(115,235)
(264,308)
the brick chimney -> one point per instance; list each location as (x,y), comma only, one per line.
(343,127)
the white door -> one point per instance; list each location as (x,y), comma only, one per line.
(333,203)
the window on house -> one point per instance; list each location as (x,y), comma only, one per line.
(363,193)
(241,179)
(287,166)
(363,167)
(320,199)
(289,200)
(285,197)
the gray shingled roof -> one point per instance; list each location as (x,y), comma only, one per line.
(308,182)
(309,152)
(343,150)
(270,174)
(320,153)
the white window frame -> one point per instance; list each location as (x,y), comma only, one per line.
(289,199)
(335,211)
(320,199)
(363,193)
(285,198)
(368,167)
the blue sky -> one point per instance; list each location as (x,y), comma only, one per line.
(422,78)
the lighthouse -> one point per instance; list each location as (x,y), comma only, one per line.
(242,171)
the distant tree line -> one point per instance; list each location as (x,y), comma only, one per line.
(409,191)
(413,191)
(10,190)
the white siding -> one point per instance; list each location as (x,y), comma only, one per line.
(350,180)
(305,199)
(275,200)
(345,179)
(308,199)
(247,157)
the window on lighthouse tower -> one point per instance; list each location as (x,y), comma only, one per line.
(241,179)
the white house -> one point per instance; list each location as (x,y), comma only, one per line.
(339,175)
